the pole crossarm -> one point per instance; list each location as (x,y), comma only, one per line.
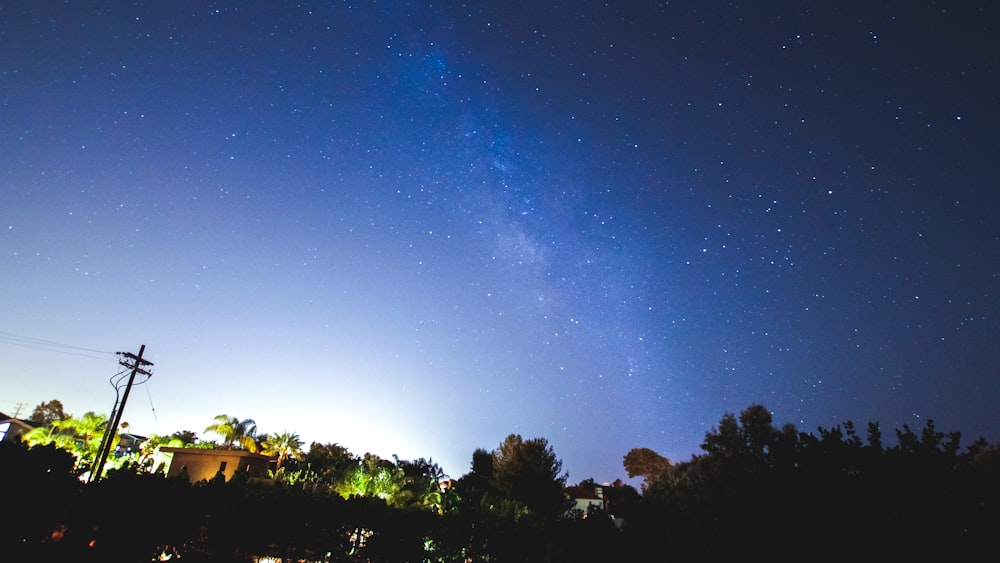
(137,361)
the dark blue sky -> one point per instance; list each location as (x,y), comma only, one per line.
(414,228)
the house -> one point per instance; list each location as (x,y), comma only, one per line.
(201,464)
(11,429)
(128,443)
(583,498)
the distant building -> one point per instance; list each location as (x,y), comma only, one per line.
(128,443)
(203,465)
(11,429)
(583,498)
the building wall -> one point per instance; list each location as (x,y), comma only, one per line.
(11,429)
(205,464)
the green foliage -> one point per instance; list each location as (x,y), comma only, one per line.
(184,438)
(235,433)
(284,446)
(419,485)
(330,463)
(79,436)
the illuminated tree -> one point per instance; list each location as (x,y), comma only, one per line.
(235,433)
(79,436)
(90,430)
(371,476)
(52,433)
(284,446)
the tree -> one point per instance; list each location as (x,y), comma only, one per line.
(79,436)
(645,463)
(327,465)
(185,437)
(482,463)
(284,445)
(89,430)
(235,433)
(420,485)
(753,434)
(528,471)
(47,413)
(371,476)
(52,433)
(47,474)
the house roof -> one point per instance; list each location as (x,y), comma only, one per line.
(213,452)
(577,491)
(26,423)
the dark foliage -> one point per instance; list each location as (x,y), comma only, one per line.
(833,495)
(757,489)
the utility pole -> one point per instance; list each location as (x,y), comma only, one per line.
(136,366)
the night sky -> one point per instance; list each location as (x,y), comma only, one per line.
(414,228)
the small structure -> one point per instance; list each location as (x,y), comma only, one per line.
(128,443)
(11,429)
(203,465)
(583,498)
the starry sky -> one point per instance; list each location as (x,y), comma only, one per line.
(413,228)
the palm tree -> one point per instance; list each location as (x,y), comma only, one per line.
(52,433)
(235,432)
(90,430)
(185,437)
(420,484)
(79,436)
(285,446)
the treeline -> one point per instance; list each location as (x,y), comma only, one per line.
(755,490)
(826,496)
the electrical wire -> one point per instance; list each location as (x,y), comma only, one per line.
(50,346)
(152,408)
(117,380)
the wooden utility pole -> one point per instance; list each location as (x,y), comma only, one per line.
(116,413)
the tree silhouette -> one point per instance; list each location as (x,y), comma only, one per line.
(529,472)
(47,413)
(645,463)
(829,494)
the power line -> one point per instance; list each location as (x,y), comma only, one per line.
(50,346)
(152,408)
